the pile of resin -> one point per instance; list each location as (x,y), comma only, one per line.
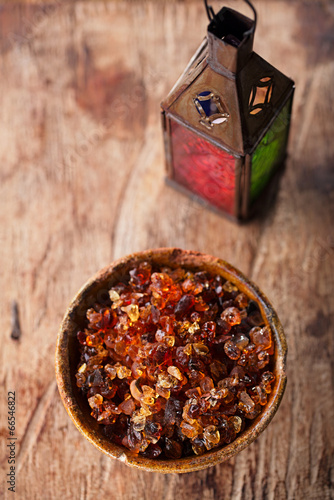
(176,363)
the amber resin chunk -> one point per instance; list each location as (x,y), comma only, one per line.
(176,363)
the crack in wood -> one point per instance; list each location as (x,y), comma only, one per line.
(35,425)
(37,269)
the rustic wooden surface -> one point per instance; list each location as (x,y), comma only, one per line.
(82,183)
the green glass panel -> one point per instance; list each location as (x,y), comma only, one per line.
(270,152)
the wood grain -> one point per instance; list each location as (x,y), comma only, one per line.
(82,183)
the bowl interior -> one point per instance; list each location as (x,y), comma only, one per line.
(67,356)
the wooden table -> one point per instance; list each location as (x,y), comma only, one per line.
(82,183)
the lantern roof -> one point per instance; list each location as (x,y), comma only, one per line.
(228,93)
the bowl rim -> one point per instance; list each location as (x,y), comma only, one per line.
(193,259)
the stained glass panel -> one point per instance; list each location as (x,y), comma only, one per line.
(270,152)
(203,168)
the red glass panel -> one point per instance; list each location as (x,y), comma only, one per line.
(203,168)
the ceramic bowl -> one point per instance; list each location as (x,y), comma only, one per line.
(67,357)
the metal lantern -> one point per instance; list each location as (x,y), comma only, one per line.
(226,121)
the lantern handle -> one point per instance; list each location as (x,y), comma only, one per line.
(209,11)
(213,17)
